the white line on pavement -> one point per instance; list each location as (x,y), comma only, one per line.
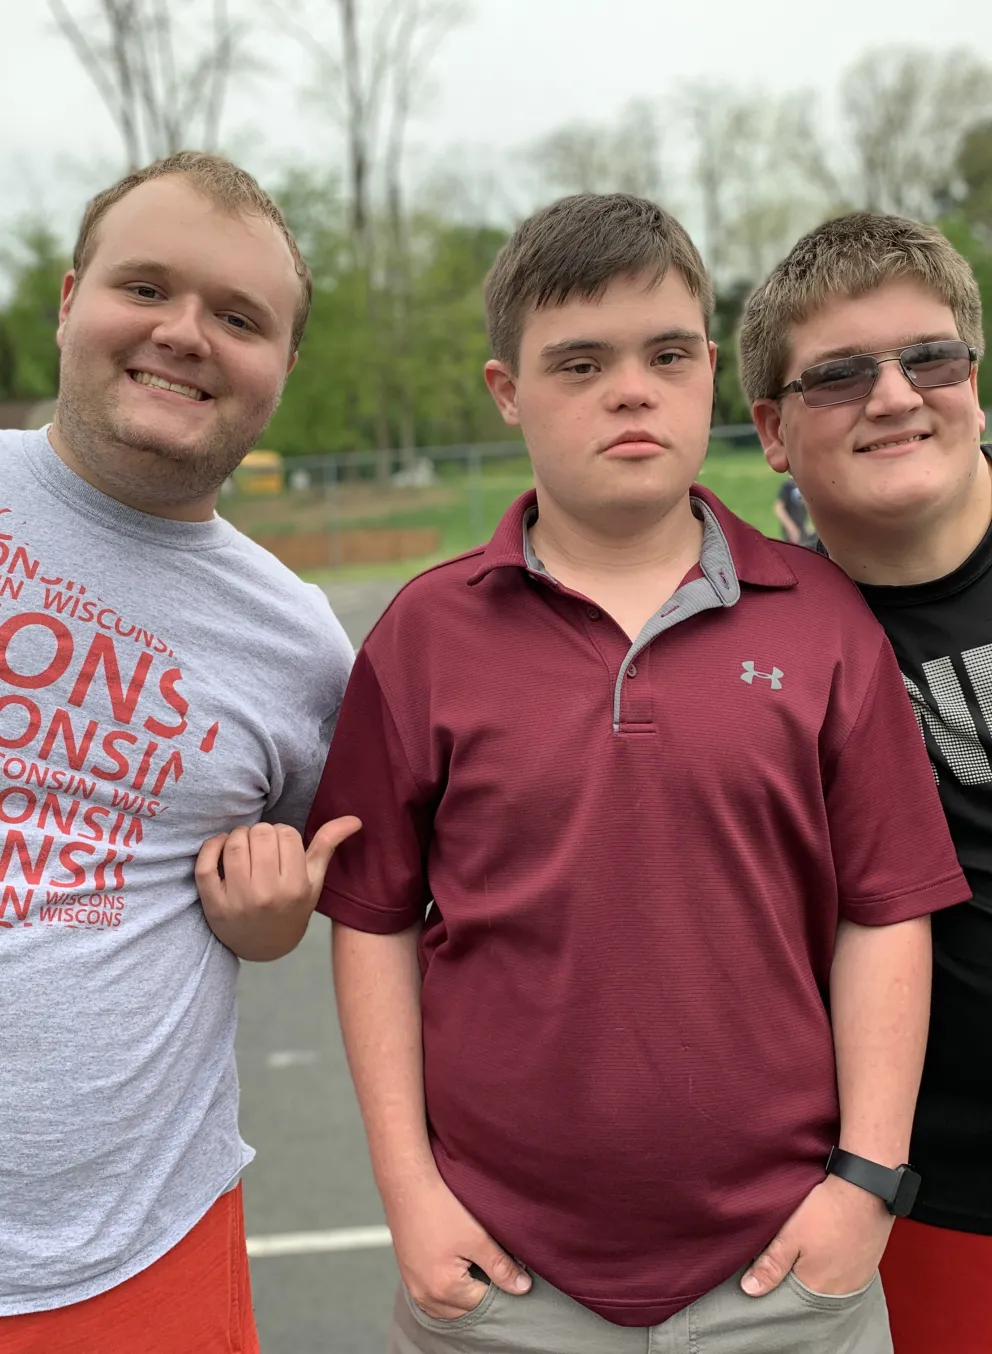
(312,1243)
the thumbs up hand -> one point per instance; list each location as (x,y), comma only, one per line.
(258,886)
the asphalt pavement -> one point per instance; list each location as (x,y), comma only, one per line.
(323,1282)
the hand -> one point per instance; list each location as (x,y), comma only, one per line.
(833,1242)
(260,906)
(436,1239)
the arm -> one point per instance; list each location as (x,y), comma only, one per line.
(377,981)
(880,1000)
(895,864)
(791,530)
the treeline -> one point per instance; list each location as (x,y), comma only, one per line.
(396,342)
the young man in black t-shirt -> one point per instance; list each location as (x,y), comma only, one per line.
(860,356)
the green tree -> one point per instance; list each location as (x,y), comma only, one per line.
(34,264)
(978,251)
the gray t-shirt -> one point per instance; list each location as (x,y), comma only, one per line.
(159,682)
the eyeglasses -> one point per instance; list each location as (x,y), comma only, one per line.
(946,362)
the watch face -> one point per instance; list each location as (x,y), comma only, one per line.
(908,1188)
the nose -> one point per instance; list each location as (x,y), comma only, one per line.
(631,387)
(893,393)
(180,327)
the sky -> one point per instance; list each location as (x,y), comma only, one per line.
(514,70)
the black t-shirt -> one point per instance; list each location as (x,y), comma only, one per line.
(795,506)
(942,635)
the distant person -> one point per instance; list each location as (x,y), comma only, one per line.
(655,778)
(162,680)
(792,513)
(860,353)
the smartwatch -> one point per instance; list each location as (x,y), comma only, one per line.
(897,1188)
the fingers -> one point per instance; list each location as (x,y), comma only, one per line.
(325,842)
(209,884)
(771,1267)
(504,1272)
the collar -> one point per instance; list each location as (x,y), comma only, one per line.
(727,541)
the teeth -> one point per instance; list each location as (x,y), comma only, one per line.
(893,442)
(145,378)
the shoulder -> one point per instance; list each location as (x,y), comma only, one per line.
(303,609)
(12,444)
(433,598)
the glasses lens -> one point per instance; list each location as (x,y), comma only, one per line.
(846,378)
(937,364)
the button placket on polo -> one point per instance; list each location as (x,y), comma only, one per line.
(637,696)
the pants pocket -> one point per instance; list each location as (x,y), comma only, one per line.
(826,1302)
(458,1323)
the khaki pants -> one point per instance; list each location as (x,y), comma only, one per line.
(791,1320)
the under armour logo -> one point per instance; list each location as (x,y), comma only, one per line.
(749,674)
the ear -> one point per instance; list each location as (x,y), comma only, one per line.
(503,388)
(293,361)
(767,415)
(713,355)
(65,304)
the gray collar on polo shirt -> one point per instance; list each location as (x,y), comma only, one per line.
(719,586)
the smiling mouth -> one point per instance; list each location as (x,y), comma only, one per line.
(145,378)
(893,442)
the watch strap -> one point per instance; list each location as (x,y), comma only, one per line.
(882,1181)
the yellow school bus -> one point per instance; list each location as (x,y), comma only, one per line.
(261,472)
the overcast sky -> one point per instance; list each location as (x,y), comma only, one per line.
(516,69)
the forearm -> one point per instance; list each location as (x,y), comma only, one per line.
(791,530)
(377,983)
(880,1004)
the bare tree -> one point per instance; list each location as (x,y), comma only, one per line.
(372,63)
(137,53)
(583,157)
(752,189)
(906,112)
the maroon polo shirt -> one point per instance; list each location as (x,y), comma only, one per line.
(638,856)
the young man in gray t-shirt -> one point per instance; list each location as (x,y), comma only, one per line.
(163,681)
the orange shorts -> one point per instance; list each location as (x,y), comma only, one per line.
(195,1300)
(938,1285)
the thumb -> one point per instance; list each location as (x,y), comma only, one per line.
(325,842)
(771,1267)
(504,1272)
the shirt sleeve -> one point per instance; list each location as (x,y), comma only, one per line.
(377,879)
(891,845)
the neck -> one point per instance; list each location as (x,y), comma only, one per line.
(901,554)
(199,510)
(624,546)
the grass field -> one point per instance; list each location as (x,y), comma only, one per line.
(466,509)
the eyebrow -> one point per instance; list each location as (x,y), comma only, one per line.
(584,345)
(859,349)
(149,267)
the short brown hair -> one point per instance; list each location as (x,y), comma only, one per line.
(576,247)
(223,183)
(849,256)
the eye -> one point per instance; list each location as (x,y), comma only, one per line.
(144,291)
(238,322)
(583,367)
(669,359)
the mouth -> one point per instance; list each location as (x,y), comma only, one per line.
(895,440)
(633,442)
(147,378)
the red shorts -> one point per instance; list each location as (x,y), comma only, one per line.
(938,1285)
(195,1300)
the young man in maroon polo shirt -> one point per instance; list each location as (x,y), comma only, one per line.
(860,353)
(643,800)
